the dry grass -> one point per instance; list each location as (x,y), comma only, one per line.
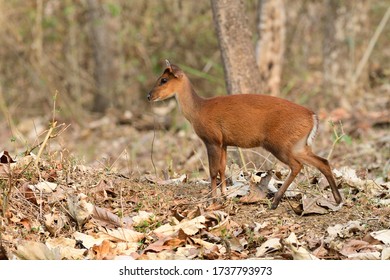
(107,157)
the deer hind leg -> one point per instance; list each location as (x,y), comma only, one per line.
(323,166)
(295,167)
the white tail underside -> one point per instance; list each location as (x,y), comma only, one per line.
(313,131)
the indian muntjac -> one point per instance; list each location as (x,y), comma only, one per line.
(285,129)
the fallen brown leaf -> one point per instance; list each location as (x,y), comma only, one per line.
(104,251)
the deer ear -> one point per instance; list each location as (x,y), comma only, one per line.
(167,63)
(168,69)
(173,69)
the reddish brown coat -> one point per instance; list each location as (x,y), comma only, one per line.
(282,127)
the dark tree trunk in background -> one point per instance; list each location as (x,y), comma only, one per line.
(271,44)
(102,57)
(235,40)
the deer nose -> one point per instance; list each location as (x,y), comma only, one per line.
(150,96)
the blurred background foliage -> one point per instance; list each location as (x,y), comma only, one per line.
(60,45)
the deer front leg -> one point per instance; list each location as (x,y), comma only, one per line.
(222,167)
(214,154)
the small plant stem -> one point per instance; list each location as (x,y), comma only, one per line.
(27,152)
(44,143)
(337,139)
(152,148)
(242,159)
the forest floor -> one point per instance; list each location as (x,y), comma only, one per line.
(117,188)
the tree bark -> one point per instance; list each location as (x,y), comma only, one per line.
(271,44)
(235,40)
(101,56)
(345,23)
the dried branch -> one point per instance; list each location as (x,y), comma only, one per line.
(370,47)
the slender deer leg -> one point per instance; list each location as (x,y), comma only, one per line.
(222,167)
(322,165)
(295,167)
(214,155)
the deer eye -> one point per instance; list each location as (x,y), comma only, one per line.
(163,81)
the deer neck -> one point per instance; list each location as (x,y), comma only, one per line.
(189,101)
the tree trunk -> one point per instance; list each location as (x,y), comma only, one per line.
(235,40)
(101,55)
(271,44)
(345,23)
